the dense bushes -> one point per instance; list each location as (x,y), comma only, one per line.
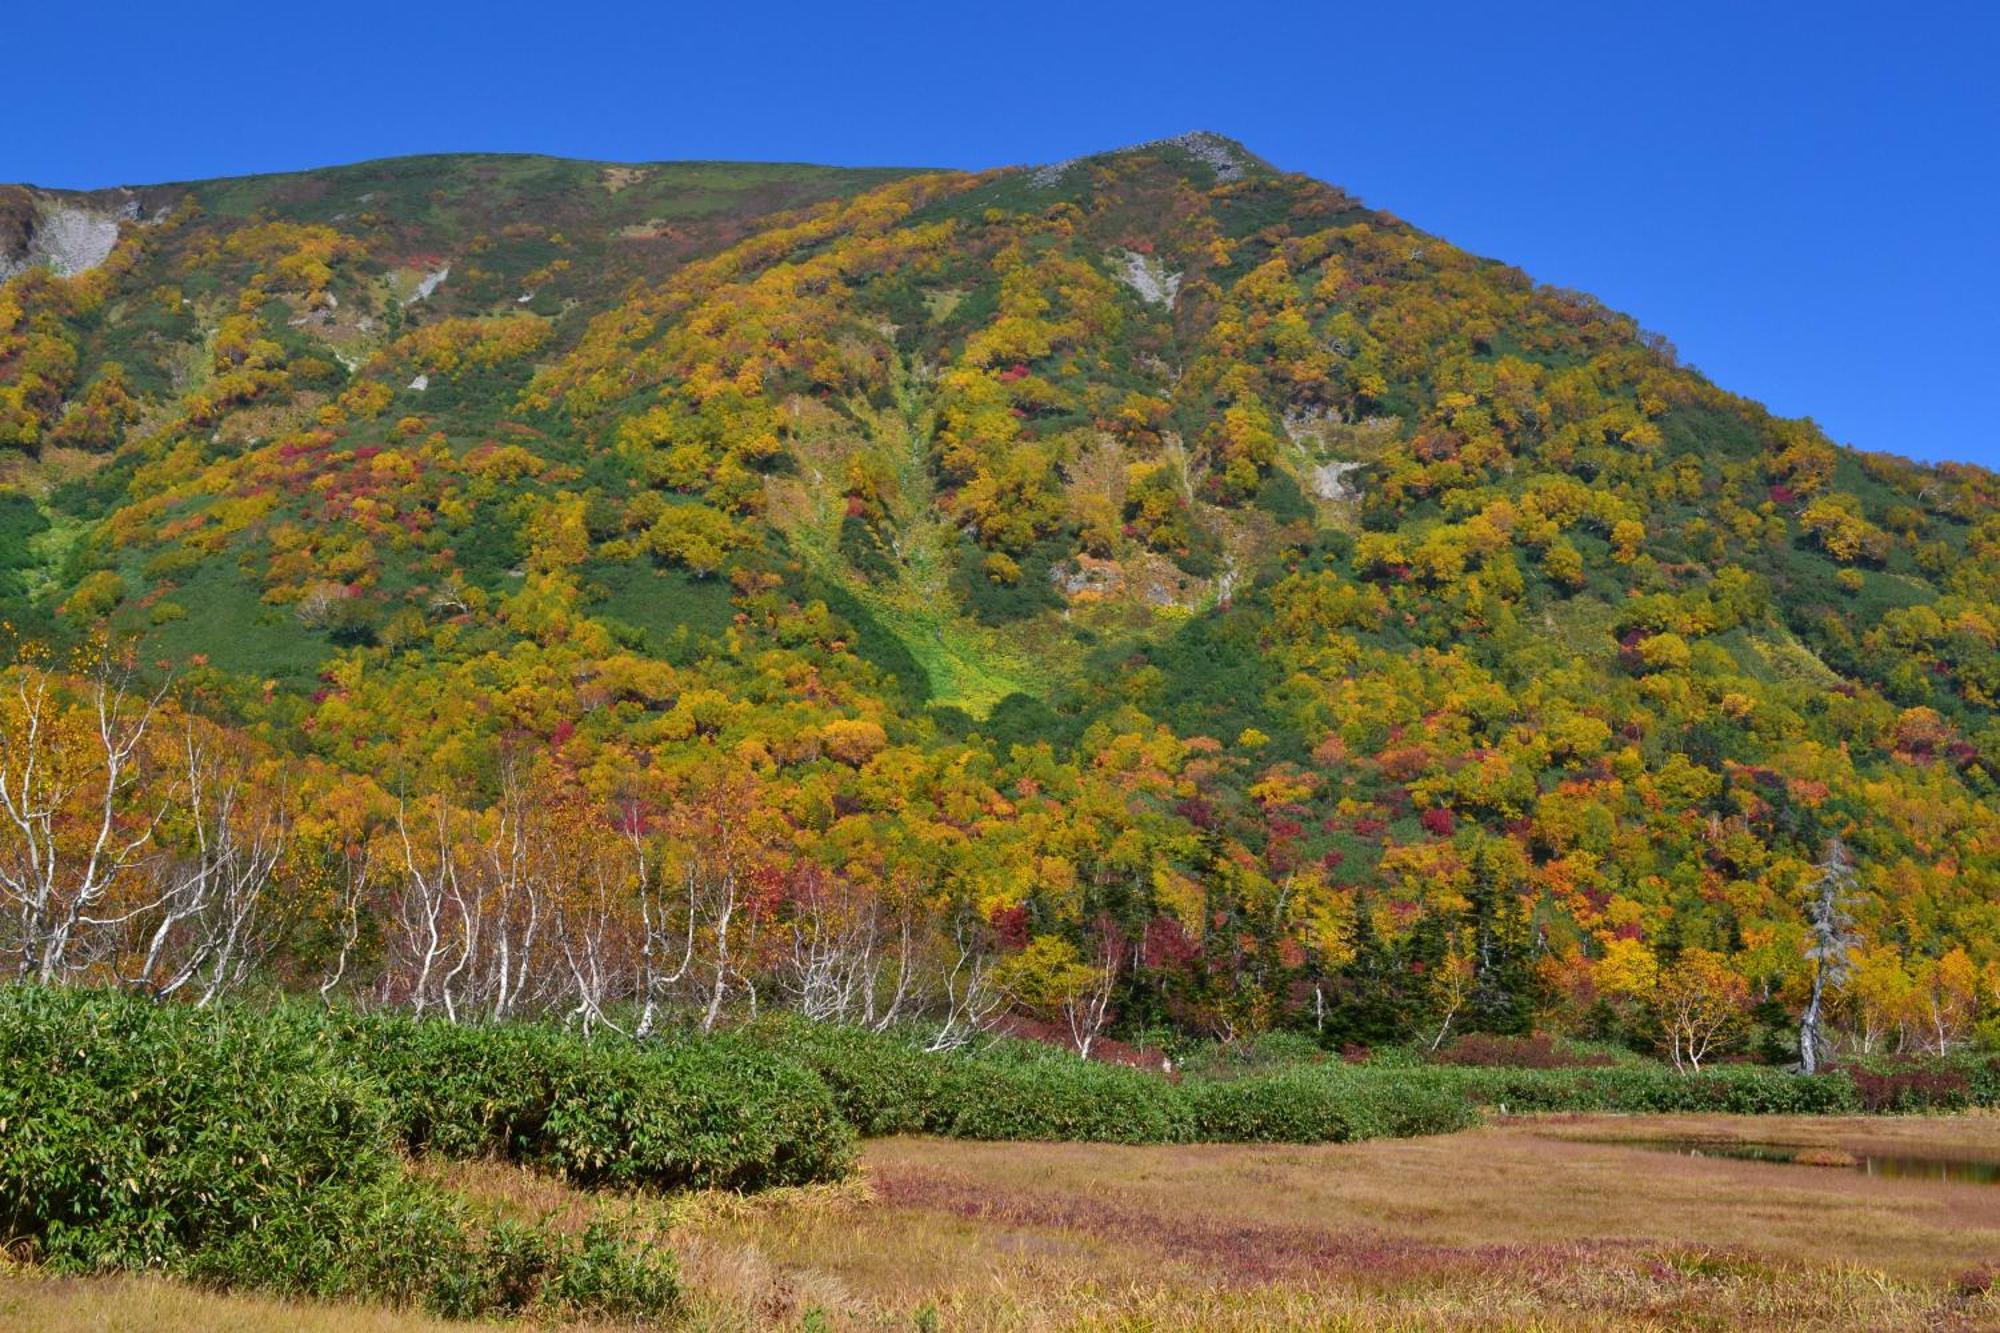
(1017,1090)
(222,1147)
(1732,1089)
(1273,1091)
(719,1113)
(886,1084)
(882,1084)
(1926,1083)
(147,1138)
(1332,1105)
(1539,1051)
(1062,1097)
(597,1273)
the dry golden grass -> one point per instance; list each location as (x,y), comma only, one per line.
(1533,1223)
(30,1303)
(1525,1224)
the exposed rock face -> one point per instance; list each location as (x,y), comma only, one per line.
(1087,577)
(65,237)
(1330,481)
(429,283)
(1147,276)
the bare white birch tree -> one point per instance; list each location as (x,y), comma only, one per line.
(77,835)
(1829,948)
(208,929)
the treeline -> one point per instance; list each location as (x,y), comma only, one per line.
(145,846)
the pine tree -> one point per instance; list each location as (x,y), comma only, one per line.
(1503,993)
(1372,991)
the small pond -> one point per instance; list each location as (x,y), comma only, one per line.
(1891,1165)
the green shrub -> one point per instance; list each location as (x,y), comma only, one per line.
(607,1277)
(1732,1089)
(716,1113)
(886,1084)
(1982,1072)
(711,1113)
(1276,1052)
(1311,1105)
(1064,1098)
(600,1274)
(1002,1089)
(144,1137)
(882,1082)
(512,1266)
(237,1148)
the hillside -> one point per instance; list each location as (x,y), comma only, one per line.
(1155,576)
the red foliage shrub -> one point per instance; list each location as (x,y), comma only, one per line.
(1196,811)
(1437,821)
(1911,1089)
(1537,1052)
(1167,945)
(1011,925)
(1406,763)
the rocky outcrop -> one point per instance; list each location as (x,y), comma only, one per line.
(44,230)
(1146,275)
(1227,160)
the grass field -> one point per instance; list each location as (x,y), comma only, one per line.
(1546,1222)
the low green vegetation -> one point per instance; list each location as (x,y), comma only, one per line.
(713,1113)
(231,1148)
(888,1084)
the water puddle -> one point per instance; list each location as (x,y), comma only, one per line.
(1889,1165)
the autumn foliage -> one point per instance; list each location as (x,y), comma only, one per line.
(1137,598)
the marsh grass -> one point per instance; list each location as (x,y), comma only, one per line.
(1519,1225)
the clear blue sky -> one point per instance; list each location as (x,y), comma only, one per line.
(1804,197)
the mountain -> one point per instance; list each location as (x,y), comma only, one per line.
(1156,558)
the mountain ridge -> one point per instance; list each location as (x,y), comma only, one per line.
(503,155)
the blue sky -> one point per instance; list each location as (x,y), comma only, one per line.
(1804,198)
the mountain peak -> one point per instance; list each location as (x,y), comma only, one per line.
(1227,158)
